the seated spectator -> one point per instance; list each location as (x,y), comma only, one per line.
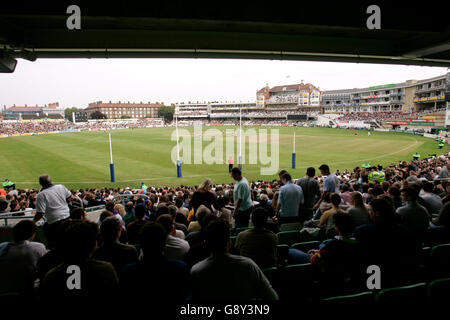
(112,250)
(181,229)
(198,248)
(380,239)
(358,211)
(54,257)
(154,278)
(18,260)
(264,203)
(195,226)
(258,243)
(346,194)
(326,220)
(412,215)
(440,228)
(97,279)
(432,201)
(394,193)
(180,208)
(135,227)
(78,214)
(223,275)
(337,261)
(175,248)
(129,215)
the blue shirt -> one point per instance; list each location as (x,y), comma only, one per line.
(331,183)
(242,191)
(291,195)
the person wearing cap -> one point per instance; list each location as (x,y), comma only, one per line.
(143,187)
(416,156)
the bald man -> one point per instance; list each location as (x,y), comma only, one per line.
(52,203)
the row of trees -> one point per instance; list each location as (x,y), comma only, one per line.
(165,112)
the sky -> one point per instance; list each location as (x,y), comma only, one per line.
(77,82)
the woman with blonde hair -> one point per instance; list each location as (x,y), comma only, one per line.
(120,209)
(358,210)
(204,196)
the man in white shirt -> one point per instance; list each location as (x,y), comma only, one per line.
(175,248)
(224,276)
(52,203)
(18,260)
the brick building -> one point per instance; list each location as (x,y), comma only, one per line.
(116,110)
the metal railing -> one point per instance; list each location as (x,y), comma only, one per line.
(29,214)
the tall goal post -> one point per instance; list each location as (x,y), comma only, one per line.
(111,164)
(294,156)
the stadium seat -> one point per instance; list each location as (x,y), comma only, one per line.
(351,299)
(440,261)
(288,237)
(270,274)
(439,290)
(306,246)
(296,282)
(5,234)
(405,294)
(291,226)
(282,253)
(236,231)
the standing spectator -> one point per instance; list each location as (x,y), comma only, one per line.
(52,203)
(18,260)
(223,275)
(242,199)
(230,163)
(258,243)
(291,196)
(203,196)
(330,184)
(311,190)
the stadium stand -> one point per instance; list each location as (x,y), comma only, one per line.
(312,264)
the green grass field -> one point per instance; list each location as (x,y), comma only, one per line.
(82,159)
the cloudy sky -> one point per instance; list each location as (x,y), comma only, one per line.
(76,82)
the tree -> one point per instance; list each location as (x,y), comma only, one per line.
(97,115)
(125,117)
(166,112)
(68,113)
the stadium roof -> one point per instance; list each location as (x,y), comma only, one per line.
(16,108)
(410,33)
